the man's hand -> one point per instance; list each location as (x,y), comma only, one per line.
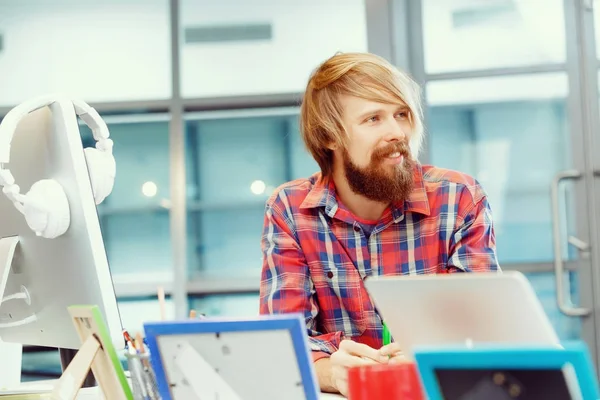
(351,354)
(393,352)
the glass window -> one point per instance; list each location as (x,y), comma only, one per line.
(227,305)
(265,46)
(234,162)
(230,242)
(464,35)
(109,50)
(40,364)
(513,144)
(238,159)
(135,312)
(567,328)
(302,163)
(512,134)
(135,218)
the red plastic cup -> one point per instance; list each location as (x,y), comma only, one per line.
(385,381)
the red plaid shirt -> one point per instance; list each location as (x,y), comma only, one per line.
(316,253)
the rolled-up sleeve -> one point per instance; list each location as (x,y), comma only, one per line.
(473,244)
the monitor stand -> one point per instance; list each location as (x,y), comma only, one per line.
(66,356)
(8,246)
(11,362)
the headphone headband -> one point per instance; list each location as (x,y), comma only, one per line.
(89,115)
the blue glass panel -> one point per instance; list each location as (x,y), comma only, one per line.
(514,149)
(302,163)
(233,154)
(230,243)
(233,165)
(137,242)
(135,226)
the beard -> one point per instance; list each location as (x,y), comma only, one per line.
(380,182)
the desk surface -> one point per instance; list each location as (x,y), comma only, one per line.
(330,396)
(94,393)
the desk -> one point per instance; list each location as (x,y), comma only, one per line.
(94,393)
(330,396)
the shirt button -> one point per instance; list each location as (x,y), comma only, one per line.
(356,228)
(330,274)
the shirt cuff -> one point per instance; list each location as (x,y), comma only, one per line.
(317,355)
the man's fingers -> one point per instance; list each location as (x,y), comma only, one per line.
(368,360)
(348,360)
(342,386)
(342,363)
(362,350)
(390,349)
(398,358)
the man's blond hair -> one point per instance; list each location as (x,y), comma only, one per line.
(362,75)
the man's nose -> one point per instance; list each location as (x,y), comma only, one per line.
(395,132)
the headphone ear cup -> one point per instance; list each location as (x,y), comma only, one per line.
(46,209)
(102,170)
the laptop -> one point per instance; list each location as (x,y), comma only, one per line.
(462,308)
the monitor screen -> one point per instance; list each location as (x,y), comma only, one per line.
(505,384)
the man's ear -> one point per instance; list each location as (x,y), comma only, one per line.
(335,145)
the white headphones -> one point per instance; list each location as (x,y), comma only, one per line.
(45,206)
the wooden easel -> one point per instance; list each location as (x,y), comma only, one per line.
(72,378)
(96,353)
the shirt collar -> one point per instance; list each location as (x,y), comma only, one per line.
(418,201)
(323,194)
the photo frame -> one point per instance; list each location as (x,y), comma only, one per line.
(264,357)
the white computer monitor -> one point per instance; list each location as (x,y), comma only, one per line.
(70,269)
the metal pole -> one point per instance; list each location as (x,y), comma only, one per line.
(177,173)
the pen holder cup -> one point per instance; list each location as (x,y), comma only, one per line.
(143,380)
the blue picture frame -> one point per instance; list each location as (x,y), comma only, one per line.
(429,359)
(294,323)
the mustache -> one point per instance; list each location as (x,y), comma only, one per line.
(396,147)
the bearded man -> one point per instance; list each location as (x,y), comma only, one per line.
(373,209)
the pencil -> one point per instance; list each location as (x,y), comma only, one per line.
(161,303)
(139,344)
(387,337)
(126,336)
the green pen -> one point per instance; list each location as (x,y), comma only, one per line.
(387,338)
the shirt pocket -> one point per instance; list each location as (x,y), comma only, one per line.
(340,295)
